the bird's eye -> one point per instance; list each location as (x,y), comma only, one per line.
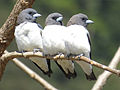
(30,12)
(54,18)
(83,19)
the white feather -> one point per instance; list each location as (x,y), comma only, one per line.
(53,39)
(77,43)
(53,43)
(28,37)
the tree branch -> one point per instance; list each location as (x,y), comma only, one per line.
(7,30)
(12,55)
(101,81)
(33,75)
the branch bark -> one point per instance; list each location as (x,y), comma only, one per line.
(7,30)
(101,81)
(33,75)
(12,55)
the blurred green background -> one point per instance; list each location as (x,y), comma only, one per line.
(105,36)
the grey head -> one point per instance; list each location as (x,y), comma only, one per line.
(28,14)
(79,19)
(54,19)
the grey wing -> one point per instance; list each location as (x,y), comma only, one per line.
(39,26)
(42,64)
(89,40)
(67,67)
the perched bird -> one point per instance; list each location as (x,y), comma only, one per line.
(78,41)
(53,43)
(28,37)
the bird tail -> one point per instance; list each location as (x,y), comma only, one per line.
(87,68)
(91,76)
(67,67)
(42,64)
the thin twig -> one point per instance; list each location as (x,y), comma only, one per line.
(12,55)
(32,74)
(101,81)
(7,29)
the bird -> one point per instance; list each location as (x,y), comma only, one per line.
(78,42)
(28,37)
(53,43)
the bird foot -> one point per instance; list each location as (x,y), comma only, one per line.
(80,56)
(46,55)
(36,50)
(23,51)
(70,56)
(60,54)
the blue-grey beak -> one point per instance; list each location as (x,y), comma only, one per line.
(36,15)
(59,19)
(89,21)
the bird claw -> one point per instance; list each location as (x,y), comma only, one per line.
(46,55)
(23,51)
(71,56)
(60,54)
(80,56)
(36,50)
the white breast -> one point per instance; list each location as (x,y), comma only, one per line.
(53,42)
(28,36)
(77,40)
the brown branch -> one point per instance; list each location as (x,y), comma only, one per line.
(33,75)
(12,55)
(101,81)
(7,30)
